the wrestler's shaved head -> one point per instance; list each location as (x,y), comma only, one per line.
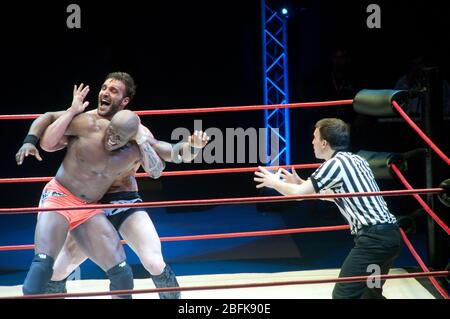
(123,126)
(126,121)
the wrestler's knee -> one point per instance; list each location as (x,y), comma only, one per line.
(121,277)
(38,276)
(154,263)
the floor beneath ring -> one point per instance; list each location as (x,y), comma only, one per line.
(407,288)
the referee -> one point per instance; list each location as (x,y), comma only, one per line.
(377,236)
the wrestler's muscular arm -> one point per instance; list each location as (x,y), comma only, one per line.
(56,131)
(151,162)
(150,147)
(37,128)
(180,152)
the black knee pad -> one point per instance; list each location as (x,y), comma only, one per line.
(121,277)
(39,275)
(167,279)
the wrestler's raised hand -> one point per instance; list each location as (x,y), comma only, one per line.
(79,94)
(199,139)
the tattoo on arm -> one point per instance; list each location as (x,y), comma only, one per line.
(152,163)
(163,149)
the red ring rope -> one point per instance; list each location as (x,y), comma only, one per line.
(234,286)
(421,134)
(173,173)
(220,236)
(422,264)
(421,201)
(207,109)
(266,233)
(273,232)
(218,171)
(223,201)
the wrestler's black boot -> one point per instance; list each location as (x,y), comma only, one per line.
(56,287)
(164,280)
(38,276)
(121,278)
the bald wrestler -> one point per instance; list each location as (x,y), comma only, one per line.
(134,224)
(98,152)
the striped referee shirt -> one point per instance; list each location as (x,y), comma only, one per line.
(346,172)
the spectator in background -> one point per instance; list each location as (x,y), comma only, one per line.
(341,77)
(414,80)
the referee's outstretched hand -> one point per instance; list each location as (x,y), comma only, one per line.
(292,178)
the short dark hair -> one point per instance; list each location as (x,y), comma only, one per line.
(125,78)
(336,132)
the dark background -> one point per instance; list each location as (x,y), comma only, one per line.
(199,54)
(203,54)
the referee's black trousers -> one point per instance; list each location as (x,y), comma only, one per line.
(376,248)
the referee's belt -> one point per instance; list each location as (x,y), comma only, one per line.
(385,226)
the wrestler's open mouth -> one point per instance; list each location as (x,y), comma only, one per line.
(104,102)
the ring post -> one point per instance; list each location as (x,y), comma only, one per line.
(435,168)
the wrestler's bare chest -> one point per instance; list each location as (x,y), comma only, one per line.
(93,158)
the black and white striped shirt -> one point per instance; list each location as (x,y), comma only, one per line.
(349,173)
